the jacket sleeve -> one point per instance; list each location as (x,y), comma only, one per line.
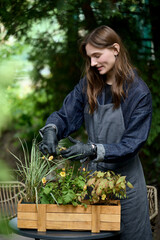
(70,117)
(135,135)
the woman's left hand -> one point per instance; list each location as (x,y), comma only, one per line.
(79,150)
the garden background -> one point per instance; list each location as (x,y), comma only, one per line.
(40,63)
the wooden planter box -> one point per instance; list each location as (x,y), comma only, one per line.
(95,218)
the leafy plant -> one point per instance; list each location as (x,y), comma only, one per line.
(105,186)
(83,187)
(33,168)
(66,188)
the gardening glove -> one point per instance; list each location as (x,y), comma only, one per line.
(79,151)
(49,141)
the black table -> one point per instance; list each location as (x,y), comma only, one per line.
(62,235)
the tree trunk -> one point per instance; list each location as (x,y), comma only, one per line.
(89,15)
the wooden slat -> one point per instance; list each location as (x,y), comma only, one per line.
(116,202)
(68,225)
(95,219)
(27,215)
(110,226)
(41,216)
(68,209)
(109,218)
(110,210)
(62,217)
(27,208)
(29,224)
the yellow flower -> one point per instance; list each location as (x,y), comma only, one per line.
(62,148)
(44,180)
(63,174)
(43,157)
(84,169)
(85,188)
(50,158)
(63,169)
(103,197)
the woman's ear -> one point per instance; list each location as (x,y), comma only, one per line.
(116,49)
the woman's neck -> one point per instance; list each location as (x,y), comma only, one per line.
(110,77)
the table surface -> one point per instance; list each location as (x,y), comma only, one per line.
(60,235)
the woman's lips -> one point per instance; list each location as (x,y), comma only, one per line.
(99,68)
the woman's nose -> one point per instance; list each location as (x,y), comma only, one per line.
(93,62)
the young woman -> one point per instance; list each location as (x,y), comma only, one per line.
(116,106)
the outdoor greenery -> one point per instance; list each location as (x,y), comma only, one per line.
(39,43)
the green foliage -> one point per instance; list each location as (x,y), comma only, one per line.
(66,187)
(33,168)
(105,186)
(27,118)
(6,173)
(12,63)
(7,73)
(70,187)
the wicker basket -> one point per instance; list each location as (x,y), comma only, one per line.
(10,193)
(153,201)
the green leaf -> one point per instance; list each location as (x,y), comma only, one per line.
(79,182)
(60,200)
(47,190)
(91,181)
(108,174)
(132,8)
(44,200)
(123,186)
(111,184)
(99,191)
(121,179)
(129,185)
(75,204)
(100,174)
(69,197)
(103,183)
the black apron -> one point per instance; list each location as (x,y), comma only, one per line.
(106,126)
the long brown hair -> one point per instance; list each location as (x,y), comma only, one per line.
(105,37)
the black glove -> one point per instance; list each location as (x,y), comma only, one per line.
(79,150)
(49,141)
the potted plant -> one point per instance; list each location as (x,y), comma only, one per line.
(72,199)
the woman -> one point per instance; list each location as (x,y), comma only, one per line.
(115,105)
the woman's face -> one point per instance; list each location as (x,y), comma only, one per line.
(102,59)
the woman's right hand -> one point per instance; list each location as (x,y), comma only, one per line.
(49,141)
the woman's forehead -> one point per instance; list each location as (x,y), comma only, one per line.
(90,49)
